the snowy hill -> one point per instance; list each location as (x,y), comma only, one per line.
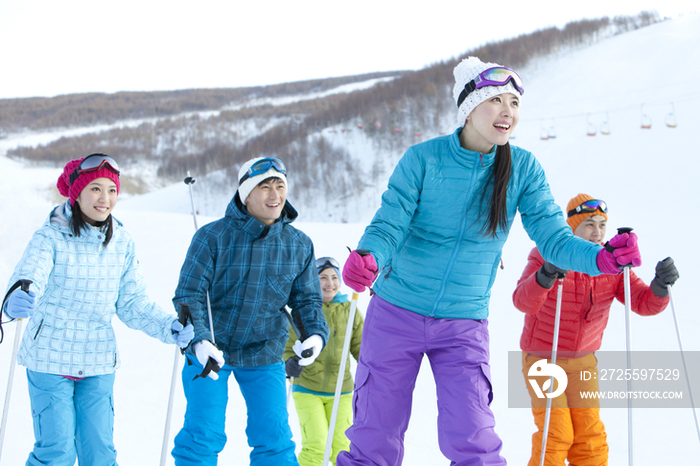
(647,176)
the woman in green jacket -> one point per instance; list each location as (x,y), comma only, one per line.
(314,385)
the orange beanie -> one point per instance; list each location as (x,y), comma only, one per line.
(576,219)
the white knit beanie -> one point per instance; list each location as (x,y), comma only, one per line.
(464,72)
(249,184)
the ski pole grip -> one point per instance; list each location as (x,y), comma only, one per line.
(211,366)
(24,285)
(184,313)
(620,231)
(361,252)
(182,316)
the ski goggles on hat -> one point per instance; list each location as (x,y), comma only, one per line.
(496,76)
(94,162)
(588,207)
(263,166)
(323,263)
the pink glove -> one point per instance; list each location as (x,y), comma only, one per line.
(625,253)
(360,271)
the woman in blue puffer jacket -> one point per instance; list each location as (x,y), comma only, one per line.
(437,239)
(83,270)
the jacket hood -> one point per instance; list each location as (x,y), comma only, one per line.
(339,297)
(60,216)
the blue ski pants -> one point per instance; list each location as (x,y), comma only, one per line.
(203,434)
(72,419)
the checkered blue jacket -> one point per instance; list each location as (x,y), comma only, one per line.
(80,285)
(251,272)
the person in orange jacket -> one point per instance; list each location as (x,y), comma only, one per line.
(576,432)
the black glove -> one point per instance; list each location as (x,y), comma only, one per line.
(548,274)
(666,274)
(292,367)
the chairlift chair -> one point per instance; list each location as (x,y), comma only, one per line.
(671,118)
(605,126)
(646,120)
(592,131)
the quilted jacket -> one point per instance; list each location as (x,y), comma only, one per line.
(80,285)
(585,308)
(428,235)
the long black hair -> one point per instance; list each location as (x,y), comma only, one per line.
(77,223)
(498,211)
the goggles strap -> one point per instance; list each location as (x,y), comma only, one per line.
(468,89)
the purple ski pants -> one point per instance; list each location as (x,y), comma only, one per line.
(394,341)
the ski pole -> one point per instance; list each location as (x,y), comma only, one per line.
(555,345)
(189,181)
(628,343)
(341,376)
(211,363)
(183,315)
(685,367)
(628,339)
(289,390)
(300,331)
(301,334)
(24,286)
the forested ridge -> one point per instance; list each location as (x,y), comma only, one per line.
(210,129)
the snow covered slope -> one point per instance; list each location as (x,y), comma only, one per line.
(647,176)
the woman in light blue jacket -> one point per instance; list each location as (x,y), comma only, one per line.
(83,270)
(437,239)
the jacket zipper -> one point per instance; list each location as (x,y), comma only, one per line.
(41,324)
(462,227)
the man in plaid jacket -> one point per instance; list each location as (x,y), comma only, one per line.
(248,265)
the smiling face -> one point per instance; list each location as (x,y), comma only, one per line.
(97,200)
(592,229)
(330,284)
(266,200)
(491,122)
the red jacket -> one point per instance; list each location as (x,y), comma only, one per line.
(585,308)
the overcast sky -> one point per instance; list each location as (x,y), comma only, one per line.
(52,47)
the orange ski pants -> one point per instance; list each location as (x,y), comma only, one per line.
(576,432)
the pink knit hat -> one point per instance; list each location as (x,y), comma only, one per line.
(72,191)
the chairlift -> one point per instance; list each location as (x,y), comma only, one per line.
(605,125)
(671,118)
(591,131)
(646,120)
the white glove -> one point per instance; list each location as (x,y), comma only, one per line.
(205,350)
(315,342)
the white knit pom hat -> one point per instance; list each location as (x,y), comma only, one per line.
(464,72)
(250,183)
